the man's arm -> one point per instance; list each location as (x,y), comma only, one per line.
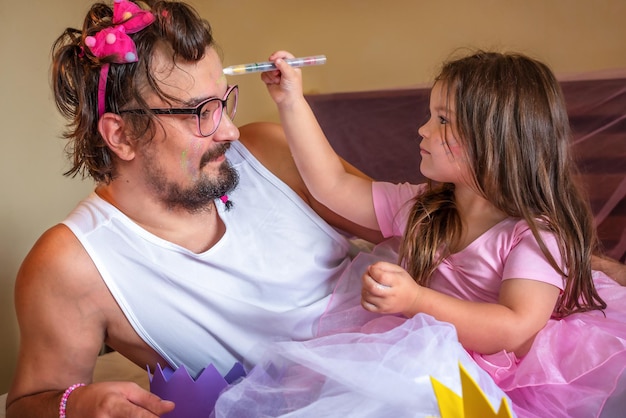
(612,268)
(58,346)
(268,144)
(62,329)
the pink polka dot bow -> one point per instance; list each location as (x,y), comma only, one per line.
(114,41)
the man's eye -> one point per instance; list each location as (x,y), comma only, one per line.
(205,114)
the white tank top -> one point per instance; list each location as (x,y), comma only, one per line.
(269,277)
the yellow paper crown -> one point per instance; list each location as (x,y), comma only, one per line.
(473,404)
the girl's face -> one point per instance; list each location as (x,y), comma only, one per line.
(443,158)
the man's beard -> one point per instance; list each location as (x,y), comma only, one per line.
(200,195)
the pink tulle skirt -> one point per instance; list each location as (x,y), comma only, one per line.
(362,365)
(366,365)
(576,366)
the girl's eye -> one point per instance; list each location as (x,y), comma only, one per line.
(443,121)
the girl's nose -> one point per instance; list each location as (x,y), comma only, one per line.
(422,131)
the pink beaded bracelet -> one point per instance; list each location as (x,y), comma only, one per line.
(66,394)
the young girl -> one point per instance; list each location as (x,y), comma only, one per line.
(498,243)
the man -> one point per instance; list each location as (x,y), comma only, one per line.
(154,263)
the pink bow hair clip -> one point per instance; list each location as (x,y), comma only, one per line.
(114,41)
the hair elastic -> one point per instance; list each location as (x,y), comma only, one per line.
(226,201)
(102,88)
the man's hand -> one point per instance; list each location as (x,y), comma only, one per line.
(116,400)
(97,400)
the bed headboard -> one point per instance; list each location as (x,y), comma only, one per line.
(377,132)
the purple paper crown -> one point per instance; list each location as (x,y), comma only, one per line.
(193,398)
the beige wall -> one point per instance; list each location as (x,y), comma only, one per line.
(369,45)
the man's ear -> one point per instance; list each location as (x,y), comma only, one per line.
(111,127)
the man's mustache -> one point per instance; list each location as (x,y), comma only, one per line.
(214,153)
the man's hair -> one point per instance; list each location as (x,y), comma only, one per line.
(178,31)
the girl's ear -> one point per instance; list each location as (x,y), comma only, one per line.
(111,127)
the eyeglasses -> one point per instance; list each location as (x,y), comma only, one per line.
(208,113)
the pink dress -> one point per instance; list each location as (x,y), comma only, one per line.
(576,367)
(367,365)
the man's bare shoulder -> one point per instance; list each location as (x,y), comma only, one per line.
(57,268)
(267,142)
(252,133)
(56,250)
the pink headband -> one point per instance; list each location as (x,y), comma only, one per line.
(114,43)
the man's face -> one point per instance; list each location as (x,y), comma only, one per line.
(184,169)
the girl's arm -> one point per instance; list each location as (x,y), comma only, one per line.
(346,194)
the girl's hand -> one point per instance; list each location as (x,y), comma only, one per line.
(388,288)
(285,83)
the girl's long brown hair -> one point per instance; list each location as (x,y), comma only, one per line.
(512,121)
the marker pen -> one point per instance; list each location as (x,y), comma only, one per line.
(256,67)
